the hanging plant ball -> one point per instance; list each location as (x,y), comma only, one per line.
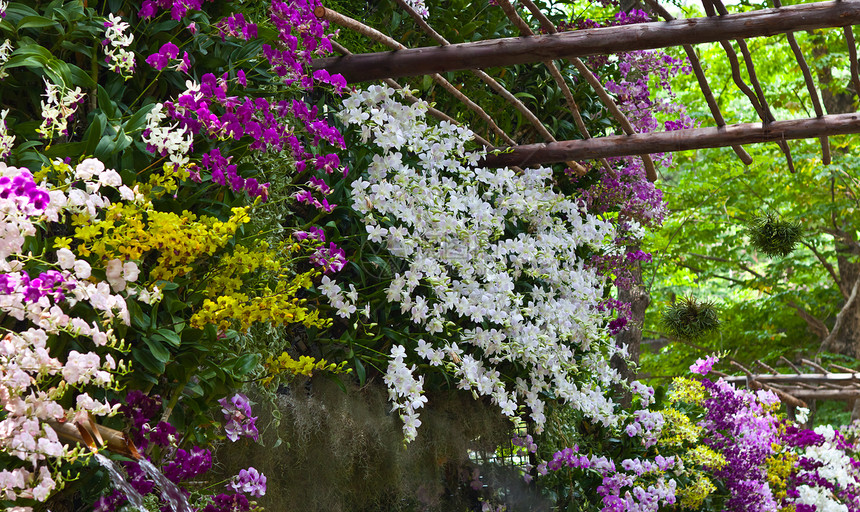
(689,319)
(773,236)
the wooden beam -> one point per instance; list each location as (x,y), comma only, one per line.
(810,86)
(679,140)
(580,43)
(703,81)
(794,378)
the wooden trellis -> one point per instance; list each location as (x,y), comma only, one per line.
(796,387)
(718,26)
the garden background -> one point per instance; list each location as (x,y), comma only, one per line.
(247,284)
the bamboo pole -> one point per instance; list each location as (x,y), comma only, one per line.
(852,56)
(114,440)
(761,105)
(703,82)
(547,25)
(810,86)
(495,85)
(817,378)
(579,43)
(372,33)
(438,114)
(680,140)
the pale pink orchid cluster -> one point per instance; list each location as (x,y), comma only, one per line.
(32,378)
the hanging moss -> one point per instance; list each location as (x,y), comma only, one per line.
(772,235)
(689,319)
(344,451)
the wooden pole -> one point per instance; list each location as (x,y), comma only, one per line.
(703,81)
(580,43)
(680,140)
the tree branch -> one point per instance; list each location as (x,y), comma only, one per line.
(828,266)
(815,325)
(740,265)
(717,276)
(840,318)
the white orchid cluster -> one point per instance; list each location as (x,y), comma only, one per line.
(167,140)
(27,365)
(406,391)
(6,50)
(344,303)
(7,141)
(835,468)
(420,7)
(118,58)
(58,108)
(525,291)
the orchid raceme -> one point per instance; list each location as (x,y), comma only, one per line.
(422,200)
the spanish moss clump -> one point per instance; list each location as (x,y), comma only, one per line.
(689,319)
(774,236)
(343,451)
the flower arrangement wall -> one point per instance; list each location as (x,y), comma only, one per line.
(138,249)
(189,209)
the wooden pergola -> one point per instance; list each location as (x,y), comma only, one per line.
(718,26)
(795,386)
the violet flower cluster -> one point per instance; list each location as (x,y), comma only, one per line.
(739,427)
(303,37)
(237,413)
(178,8)
(639,486)
(177,464)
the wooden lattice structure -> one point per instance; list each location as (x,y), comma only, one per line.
(797,388)
(718,26)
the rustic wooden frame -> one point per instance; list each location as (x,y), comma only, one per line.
(718,26)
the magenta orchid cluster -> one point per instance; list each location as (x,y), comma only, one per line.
(178,8)
(167,54)
(22,192)
(51,284)
(178,465)
(330,258)
(235,25)
(295,22)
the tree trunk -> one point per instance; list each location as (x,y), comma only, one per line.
(638,298)
(844,337)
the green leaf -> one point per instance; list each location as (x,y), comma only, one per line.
(138,317)
(94,133)
(36,22)
(105,148)
(194,389)
(80,77)
(159,351)
(63,150)
(247,363)
(105,103)
(170,336)
(360,371)
(146,359)
(166,286)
